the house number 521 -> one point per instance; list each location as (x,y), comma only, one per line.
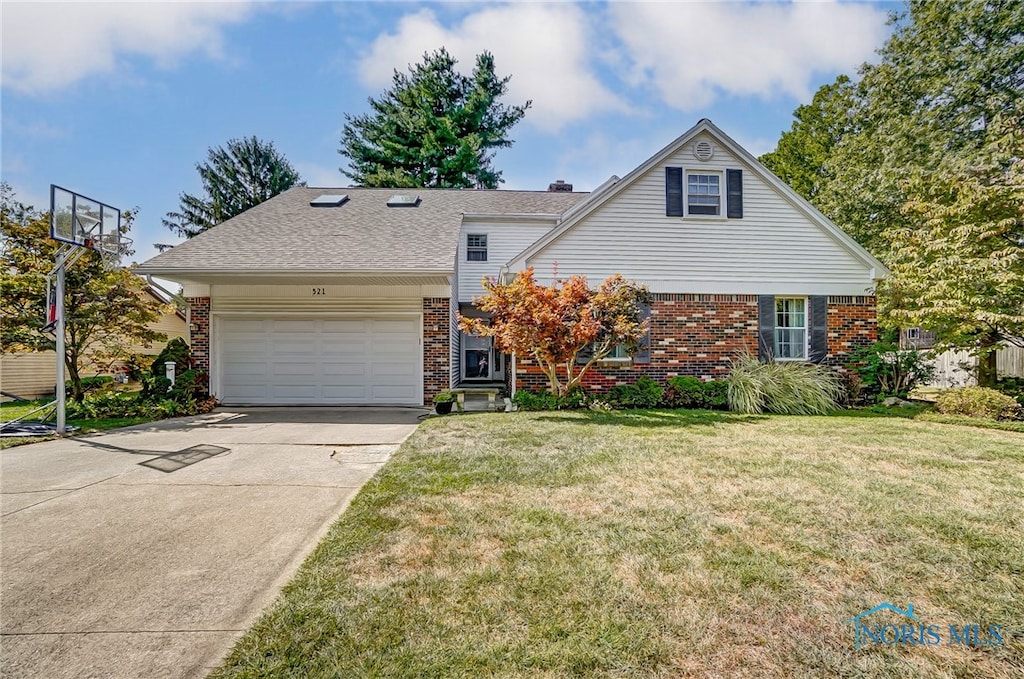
(318,292)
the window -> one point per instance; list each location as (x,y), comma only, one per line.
(703,194)
(476,248)
(619,353)
(791,328)
(913,333)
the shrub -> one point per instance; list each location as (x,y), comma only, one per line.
(784,388)
(92,383)
(114,404)
(644,393)
(155,385)
(529,400)
(176,350)
(690,392)
(980,402)
(887,370)
(189,384)
(137,366)
(574,399)
(1012,387)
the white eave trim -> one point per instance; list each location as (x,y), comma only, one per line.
(290,272)
(516,218)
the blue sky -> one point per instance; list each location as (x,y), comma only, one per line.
(119,101)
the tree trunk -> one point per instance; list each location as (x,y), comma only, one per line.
(987,368)
(76,380)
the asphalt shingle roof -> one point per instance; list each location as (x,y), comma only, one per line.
(286,234)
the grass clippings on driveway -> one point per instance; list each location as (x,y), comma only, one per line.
(664,544)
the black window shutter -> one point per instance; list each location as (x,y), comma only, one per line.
(584,355)
(643,352)
(734,194)
(765,327)
(674,191)
(819,328)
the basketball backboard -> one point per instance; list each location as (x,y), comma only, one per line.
(82,221)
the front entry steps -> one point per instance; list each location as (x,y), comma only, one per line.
(479,397)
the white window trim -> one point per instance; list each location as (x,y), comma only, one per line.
(807,330)
(611,360)
(721,193)
(476,248)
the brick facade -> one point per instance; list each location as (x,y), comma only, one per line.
(852,324)
(199,333)
(436,346)
(699,335)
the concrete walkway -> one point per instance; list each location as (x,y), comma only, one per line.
(147,551)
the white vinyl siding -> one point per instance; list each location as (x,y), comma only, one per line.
(774,249)
(791,328)
(504,241)
(318,361)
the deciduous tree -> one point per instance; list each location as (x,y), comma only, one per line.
(243,175)
(554,324)
(106,312)
(924,173)
(434,128)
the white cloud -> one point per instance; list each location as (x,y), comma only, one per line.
(691,53)
(317,175)
(546,48)
(48,46)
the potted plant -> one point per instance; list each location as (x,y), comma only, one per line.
(443,402)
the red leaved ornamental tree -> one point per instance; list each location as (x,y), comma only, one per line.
(559,323)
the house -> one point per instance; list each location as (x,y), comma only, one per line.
(350,296)
(34,374)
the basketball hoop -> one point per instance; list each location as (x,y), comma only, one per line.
(80,224)
(111,248)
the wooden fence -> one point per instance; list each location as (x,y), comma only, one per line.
(956,368)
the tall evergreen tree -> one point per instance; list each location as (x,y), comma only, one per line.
(434,128)
(243,175)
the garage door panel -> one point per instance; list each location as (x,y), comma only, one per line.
(343,369)
(291,325)
(329,361)
(379,370)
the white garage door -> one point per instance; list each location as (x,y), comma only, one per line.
(356,361)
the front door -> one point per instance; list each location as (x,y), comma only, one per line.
(480,362)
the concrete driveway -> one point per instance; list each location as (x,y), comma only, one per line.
(146,552)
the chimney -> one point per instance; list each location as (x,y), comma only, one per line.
(560,186)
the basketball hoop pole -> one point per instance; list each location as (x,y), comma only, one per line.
(61,349)
(81,224)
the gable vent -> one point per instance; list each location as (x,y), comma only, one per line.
(329,200)
(403,200)
(703,150)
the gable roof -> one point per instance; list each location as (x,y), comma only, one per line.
(286,235)
(613,188)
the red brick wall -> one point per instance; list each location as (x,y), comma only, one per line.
(698,335)
(436,344)
(852,324)
(199,338)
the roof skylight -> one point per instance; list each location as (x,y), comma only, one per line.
(329,200)
(403,200)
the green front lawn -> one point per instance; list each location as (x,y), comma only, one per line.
(661,544)
(16,409)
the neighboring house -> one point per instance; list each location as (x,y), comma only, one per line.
(34,374)
(350,296)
